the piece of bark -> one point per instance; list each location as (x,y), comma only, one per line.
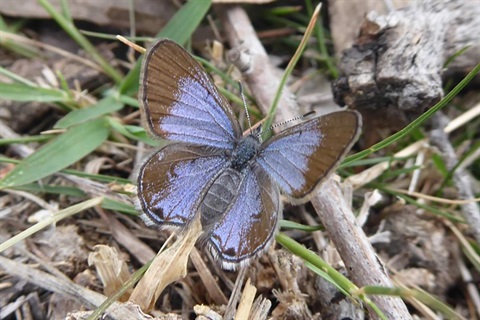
(357,253)
(394,70)
(150,16)
(346,17)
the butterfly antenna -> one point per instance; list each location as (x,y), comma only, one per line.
(290,120)
(245,105)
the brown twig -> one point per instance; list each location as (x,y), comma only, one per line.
(353,246)
(65,287)
(248,52)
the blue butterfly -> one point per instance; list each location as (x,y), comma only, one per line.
(233,182)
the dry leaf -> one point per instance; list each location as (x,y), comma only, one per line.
(112,270)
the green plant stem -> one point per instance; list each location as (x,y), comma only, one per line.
(291,65)
(320,34)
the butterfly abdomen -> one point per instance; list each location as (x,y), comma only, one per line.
(220,195)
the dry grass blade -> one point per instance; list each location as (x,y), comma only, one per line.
(246,301)
(131,44)
(47,47)
(167,267)
(208,279)
(60,215)
(435,199)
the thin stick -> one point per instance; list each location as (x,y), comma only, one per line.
(235,296)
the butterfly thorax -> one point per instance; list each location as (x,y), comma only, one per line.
(245,151)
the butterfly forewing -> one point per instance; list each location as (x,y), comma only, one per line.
(180,101)
(300,157)
(247,228)
(173,181)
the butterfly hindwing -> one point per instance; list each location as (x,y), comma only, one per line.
(247,227)
(172,182)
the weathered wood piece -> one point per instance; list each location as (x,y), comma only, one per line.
(150,16)
(396,65)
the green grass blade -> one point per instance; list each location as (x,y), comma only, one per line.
(25,139)
(51,189)
(91,176)
(73,32)
(19,48)
(177,29)
(418,204)
(102,107)
(373,161)
(59,153)
(322,45)
(456,55)
(287,224)
(134,132)
(288,70)
(315,260)
(136,276)
(15,77)
(325,276)
(130,83)
(21,92)
(129,101)
(192,12)
(96,177)
(316,263)
(418,294)
(449,174)
(115,205)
